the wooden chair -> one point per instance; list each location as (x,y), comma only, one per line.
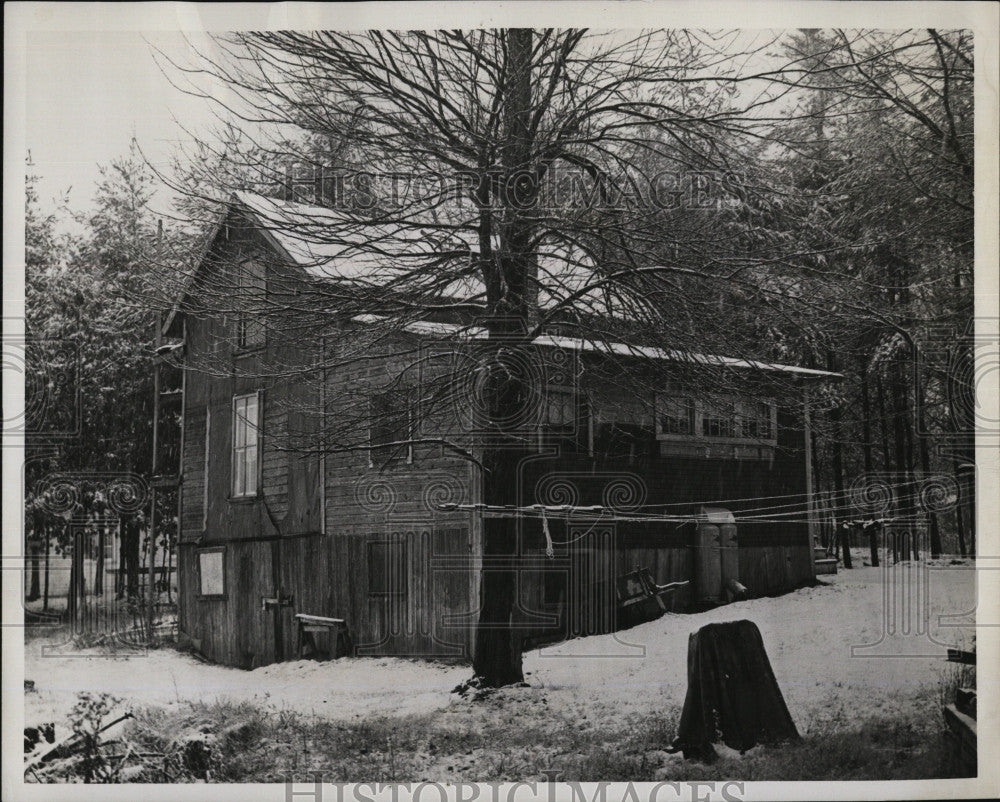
(640,598)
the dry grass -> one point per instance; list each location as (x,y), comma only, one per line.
(485,741)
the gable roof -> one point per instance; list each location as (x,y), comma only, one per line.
(330,245)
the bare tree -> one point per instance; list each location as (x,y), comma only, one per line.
(527,183)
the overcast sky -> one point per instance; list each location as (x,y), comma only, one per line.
(89,87)
(88,93)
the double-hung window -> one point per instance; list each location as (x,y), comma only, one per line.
(675,416)
(246,444)
(757,420)
(719,420)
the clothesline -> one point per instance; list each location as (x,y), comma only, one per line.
(596,514)
(820,505)
(819,495)
(561,511)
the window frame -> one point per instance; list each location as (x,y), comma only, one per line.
(744,414)
(222,594)
(244,285)
(578,433)
(410,425)
(723,410)
(247,493)
(702,410)
(692,412)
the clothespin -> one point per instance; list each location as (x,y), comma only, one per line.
(550,551)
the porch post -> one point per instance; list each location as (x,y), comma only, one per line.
(810,503)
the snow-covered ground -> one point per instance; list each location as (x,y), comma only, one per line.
(809,635)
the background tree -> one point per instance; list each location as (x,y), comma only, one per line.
(91,319)
(887,163)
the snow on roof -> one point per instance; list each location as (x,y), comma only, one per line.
(672,355)
(329,244)
(603,346)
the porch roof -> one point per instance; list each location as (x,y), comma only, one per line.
(432,328)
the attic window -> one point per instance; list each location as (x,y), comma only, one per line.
(246,445)
(251,293)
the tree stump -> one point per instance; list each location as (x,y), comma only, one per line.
(732,694)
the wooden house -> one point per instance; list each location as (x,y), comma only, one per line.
(269,532)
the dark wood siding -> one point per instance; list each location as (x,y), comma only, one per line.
(193,460)
(330,576)
(288,544)
(278,545)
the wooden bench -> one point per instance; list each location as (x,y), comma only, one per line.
(310,625)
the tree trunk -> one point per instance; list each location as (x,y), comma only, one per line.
(497,658)
(120,576)
(971,484)
(823,539)
(842,532)
(964,424)
(130,551)
(960,512)
(169,571)
(76,595)
(33,563)
(151,579)
(872,530)
(47,533)
(904,489)
(925,465)
(883,423)
(911,463)
(866,421)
